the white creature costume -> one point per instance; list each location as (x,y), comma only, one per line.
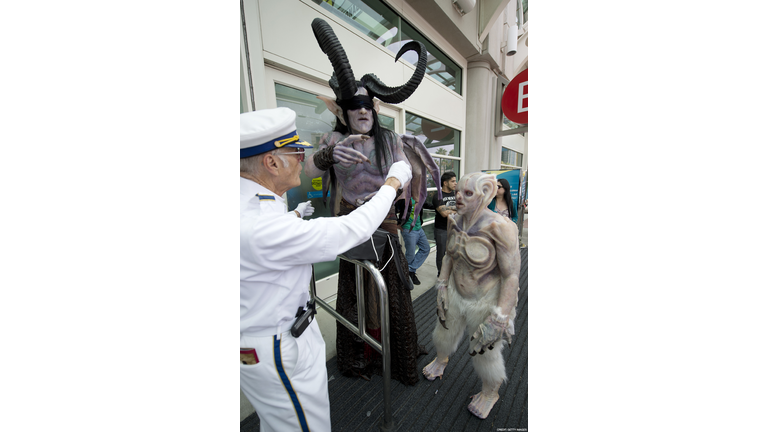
(477,288)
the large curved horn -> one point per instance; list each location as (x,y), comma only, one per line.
(343,80)
(396,95)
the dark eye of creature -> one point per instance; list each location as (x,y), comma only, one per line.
(468,193)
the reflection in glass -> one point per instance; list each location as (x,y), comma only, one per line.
(511,157)
(387,122)
(509,124)
(444,165)
(439,139)
(429,230)
(439,66)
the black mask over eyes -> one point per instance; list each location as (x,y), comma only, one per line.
(356,103)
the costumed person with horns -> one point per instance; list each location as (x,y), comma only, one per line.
(282,353)
(477,288)
(354,158)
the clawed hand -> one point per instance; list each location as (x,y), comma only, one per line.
(344,152)
(442,301)
(488,333)
(365,199)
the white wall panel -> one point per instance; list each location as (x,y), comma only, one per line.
(514,142)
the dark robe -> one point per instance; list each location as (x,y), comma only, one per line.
(354,357)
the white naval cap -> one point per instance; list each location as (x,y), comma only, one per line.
(268,129)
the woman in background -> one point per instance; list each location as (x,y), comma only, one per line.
(502,203)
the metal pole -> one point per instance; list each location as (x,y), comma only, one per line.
(387,424)
(360,300)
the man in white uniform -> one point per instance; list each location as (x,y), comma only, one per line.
(284,377)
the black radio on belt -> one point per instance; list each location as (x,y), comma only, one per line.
(303,319)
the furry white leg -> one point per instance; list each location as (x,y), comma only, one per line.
(446,341)
(483,402)
(490,368)
(490,365)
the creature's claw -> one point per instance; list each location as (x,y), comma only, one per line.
(481,404)
(434,369)
(473,353)
(442,321)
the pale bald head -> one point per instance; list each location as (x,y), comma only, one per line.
(474,192)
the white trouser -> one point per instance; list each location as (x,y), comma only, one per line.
(289,386)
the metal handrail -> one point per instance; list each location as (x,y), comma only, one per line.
(383,347)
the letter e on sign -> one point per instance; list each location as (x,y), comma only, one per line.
(514,101)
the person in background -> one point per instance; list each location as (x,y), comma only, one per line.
(413,236)
(502,203)
(443,207)
(282,375)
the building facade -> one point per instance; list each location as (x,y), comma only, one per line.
(456,110)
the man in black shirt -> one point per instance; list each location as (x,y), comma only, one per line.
(443,208)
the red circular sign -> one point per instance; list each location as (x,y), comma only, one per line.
(514,101)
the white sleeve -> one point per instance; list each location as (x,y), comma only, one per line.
(284,241)
(357,226)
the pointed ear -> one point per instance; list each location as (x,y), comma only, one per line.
(333,107)
(376,105)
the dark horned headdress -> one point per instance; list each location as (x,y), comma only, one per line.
(343,79)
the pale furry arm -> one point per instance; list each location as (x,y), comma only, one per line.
(504,235)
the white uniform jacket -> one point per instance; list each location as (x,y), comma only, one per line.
(277,248)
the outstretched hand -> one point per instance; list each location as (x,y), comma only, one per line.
(305,209)
(344,152)
(400,171)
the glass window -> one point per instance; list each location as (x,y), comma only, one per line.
(525,11)
(508,124)
(376,20)
(372,18)
(429,230)
(312,120)
(387,122)
(439,66)
(444,165)
(511,157)
(439,139)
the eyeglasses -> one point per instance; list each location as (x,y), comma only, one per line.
(300,153)
(500,186)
